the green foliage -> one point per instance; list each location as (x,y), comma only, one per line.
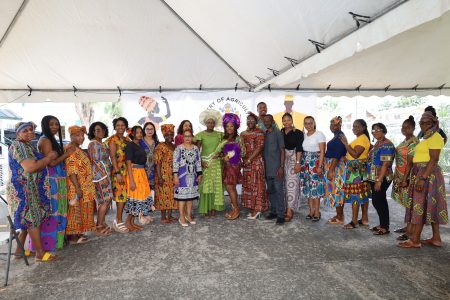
(114,109)
(443,111)
(387,104)
(330,104)
(411,101)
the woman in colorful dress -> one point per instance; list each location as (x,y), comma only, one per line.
(80,189)
(311,174)
(184,125)
(335,172)
(356,187)
(101,169)
(232,151)
(139,199)
(211,187)
(254,194)
(293,148)
(164,185)
(187,171)
(54,229)
(27,189)
(379,168)
(149,143)
(404,154)
(116,145)
(427,187)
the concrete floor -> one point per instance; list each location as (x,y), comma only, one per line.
(242,259)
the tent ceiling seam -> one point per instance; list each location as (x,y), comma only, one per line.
(205,43)
(322,46)
(13,22)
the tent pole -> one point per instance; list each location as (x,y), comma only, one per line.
(205,43)
(13,21)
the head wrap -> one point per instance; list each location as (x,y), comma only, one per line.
(77,130)
(337,120)
(288,98)
(432,130)
(210,114)
(166,128)
(231,118)
(22,125)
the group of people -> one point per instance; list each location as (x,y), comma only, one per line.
(55,189)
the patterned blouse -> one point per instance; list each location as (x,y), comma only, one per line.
(381,152)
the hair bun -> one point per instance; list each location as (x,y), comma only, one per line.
(411,118)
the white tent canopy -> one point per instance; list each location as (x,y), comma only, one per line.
(56,46)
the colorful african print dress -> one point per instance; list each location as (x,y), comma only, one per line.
(235,150)
(402,152)
(254,194)
(165,189)
(356,187)
(334,188)
(28,193)
(429,205)
(80,217)
(101,169)
(211,187)
(150,164)
(187,164)
(119,190)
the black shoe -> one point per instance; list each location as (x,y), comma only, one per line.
(308,217)
(271,216)
(280,221)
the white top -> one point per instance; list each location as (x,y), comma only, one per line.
(311,143)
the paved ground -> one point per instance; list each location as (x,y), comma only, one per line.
(219,259)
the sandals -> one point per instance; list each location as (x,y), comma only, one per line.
(409,244)
(335,221)
(81,240)
(360,222)
(403,237)
(375,228)
(317,219)
(381,231)
(430,242)
(102,231)
(350,225)
(308,217)
(400,230)
(233,215)
(28,253)
(120,227)
(47,257)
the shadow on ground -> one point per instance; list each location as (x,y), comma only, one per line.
(242,259)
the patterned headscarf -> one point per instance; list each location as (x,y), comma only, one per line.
(22,125)
(432,130)
(166,128)
(210,114)
(337,120)
(231,118)
(77,130)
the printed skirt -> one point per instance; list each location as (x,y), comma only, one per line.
(334,188)
(429,205)
(356,189)
(139,200)
(311,183)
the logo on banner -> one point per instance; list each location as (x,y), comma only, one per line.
(229,105)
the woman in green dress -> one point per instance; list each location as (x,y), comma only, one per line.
(211,188)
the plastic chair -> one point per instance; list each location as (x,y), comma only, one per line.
(8,237)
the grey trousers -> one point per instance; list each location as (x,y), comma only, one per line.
(275,192)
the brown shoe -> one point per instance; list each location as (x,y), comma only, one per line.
(289,215)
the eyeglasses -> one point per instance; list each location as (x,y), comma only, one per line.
(424,122)
(377,130)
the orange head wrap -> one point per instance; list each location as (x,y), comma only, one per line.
(166,128)
(77,129)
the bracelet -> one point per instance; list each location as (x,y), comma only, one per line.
(297,162)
